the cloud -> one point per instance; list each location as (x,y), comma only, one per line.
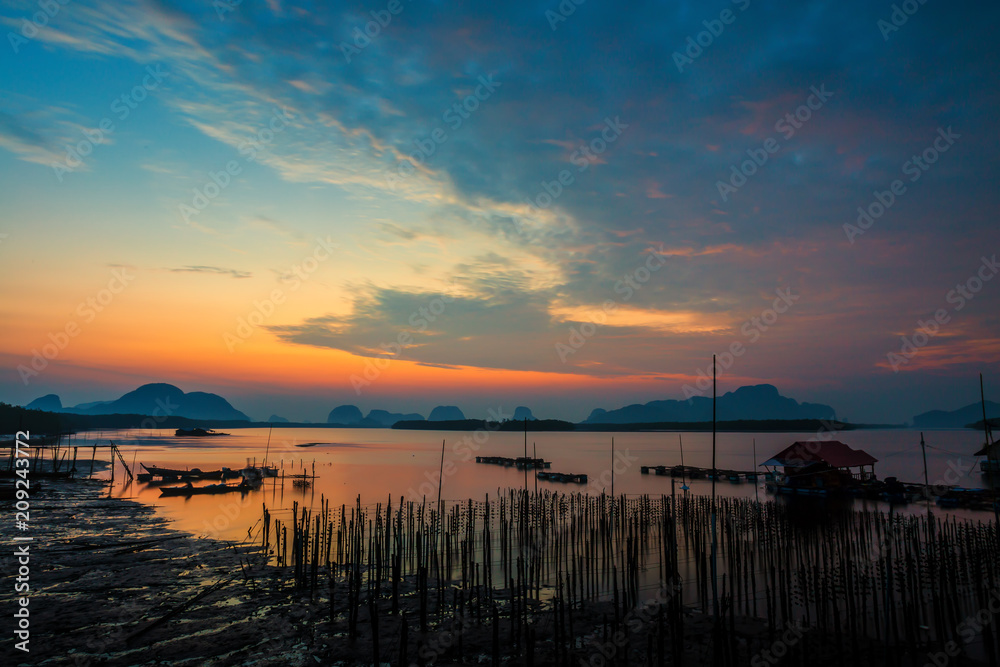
(233,273)
(505,330)
(41,135)
(276,227)
(491,318)
(399,232)
(532,271)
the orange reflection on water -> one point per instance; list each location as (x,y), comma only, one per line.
(379,464)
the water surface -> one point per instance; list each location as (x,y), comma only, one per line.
(378,463)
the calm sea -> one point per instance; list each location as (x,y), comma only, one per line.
(377,464)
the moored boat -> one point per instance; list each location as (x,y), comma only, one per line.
(191,473)
(197,432)
(191,490)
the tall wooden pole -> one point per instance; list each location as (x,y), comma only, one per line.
(927,493)
(440,509)
(684,486)
(986,424)
(715,544)
(441,475)
(923,449)
(986,432)
(525,456)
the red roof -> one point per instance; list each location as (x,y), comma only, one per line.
(834,453)
(988,450)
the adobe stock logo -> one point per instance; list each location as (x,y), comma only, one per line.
(899,16)
(381,19)
(752,329)
(915,168)
(788,125)
(88,310)
(122,107)
(958,297)
(454,116)
(565,9)
(40,19)
(696,44)
(220,180)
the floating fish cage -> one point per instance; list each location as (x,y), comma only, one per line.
(520,462)
(562,477)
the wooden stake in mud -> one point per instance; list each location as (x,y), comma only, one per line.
(580,551)
(534,454)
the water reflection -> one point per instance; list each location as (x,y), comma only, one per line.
(378,464)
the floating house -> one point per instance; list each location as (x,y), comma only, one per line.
(819,468)
(991,464)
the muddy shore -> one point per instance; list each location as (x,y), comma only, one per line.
(105,573)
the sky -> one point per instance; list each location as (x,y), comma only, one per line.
(398,204)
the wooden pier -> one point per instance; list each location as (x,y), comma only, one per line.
(693,472)
(56,457)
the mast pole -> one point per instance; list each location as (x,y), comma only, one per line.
(986,424)
(267,447)
(525,456)
(684,486)
(440,534)
(927,486)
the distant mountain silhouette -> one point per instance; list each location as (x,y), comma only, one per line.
(970,414)
(521,413)
(275,419)
(443,413)
(81,407)
(386,419)
(49,403)
(158,399)
(348,415)
(756,402)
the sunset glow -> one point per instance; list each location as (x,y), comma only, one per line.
(232,202)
